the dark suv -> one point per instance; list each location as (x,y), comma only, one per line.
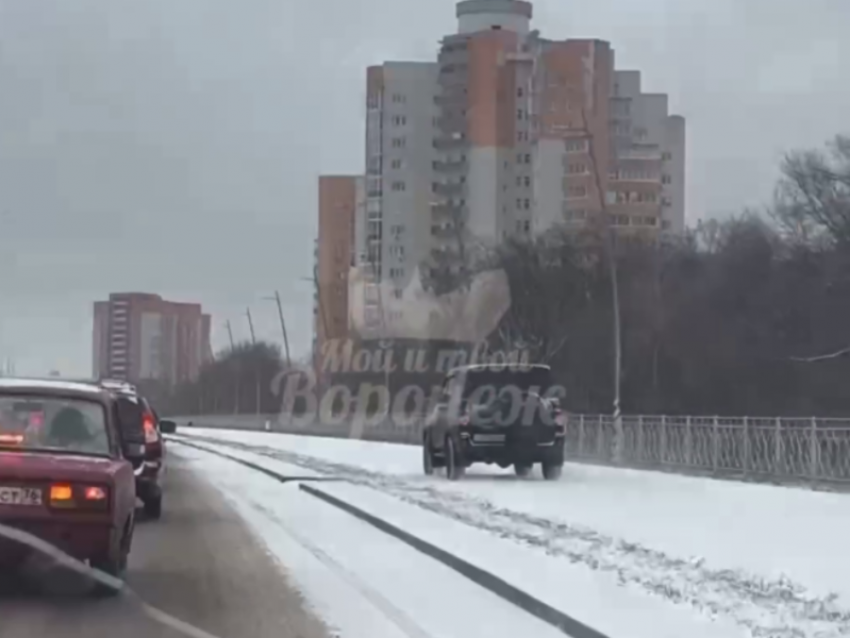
(149,470)
(496,414)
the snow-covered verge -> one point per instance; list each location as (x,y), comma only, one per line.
(769,559)
(361,582)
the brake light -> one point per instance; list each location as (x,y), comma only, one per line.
(12,439)
(94,494)
(560,419)
(151,435)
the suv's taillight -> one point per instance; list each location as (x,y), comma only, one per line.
(151,435)
(78,496)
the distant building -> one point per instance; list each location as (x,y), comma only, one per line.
(141,337)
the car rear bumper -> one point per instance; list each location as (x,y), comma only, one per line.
(513,445)
(149,480)
(80,540)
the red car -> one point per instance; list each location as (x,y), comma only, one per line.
(66,475)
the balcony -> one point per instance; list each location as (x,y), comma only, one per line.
(453,189)
(450,166)
(450,142)
(446,209)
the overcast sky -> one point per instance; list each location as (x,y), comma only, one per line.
(173,146)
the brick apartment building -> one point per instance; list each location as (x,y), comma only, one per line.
(140,337)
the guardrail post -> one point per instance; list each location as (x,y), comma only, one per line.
(778,465)
(715,444)
(600,439)
(581,435)
(688,441)
(639,437)
(745,462)
(813,448)
(662,437)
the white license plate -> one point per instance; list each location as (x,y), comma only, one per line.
(489,438)
(26,496)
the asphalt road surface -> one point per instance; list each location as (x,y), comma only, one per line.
(199,564)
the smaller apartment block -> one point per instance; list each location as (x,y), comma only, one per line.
(141,337)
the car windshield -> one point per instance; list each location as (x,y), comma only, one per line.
(53,424)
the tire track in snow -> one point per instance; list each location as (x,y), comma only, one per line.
(767,608)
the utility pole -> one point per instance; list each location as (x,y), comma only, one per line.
(276,298)
(251,326)
(236,364)
(230,334)
(257,371)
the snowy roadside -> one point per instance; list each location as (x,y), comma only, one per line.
(762,605)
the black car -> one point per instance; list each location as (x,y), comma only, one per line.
(496,414)
(150,470)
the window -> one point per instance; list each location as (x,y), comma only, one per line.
(666,157)
(518,204)
(527,181)
(399,120)
(666,202)
(575,146)
(398,142)
(398,98)
(521,136)
(519,181)
(526,226)
(577,169)
(520,114)
(666,179)
(519,92)
(527,158)
(576,192)
(526,204)
(396,163)
(398,186)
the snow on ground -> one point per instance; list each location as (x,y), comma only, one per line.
(771,559)
(361,582)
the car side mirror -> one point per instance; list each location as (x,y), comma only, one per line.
(167,427)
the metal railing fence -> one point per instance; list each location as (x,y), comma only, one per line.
(780,449)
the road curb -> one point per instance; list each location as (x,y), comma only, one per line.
(548,614)
(259,468)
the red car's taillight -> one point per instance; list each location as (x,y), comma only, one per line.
(560,419)
(69,496)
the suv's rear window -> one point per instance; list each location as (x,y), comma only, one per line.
(539,379)
(53,424)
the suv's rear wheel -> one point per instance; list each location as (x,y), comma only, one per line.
(455,468)
(552,471)
(427,457)
(153,507)
(522,469)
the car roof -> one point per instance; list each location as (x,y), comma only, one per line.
(52,386)
(500,367)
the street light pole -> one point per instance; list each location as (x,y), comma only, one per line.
(251,326)
(236,364)
(276,298)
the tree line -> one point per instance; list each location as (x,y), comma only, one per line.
(749,315)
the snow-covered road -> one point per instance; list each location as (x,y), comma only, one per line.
(626,551)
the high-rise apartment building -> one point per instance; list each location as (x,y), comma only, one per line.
(139,337)
(508,134)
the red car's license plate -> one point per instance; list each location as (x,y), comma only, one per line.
(20,496)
